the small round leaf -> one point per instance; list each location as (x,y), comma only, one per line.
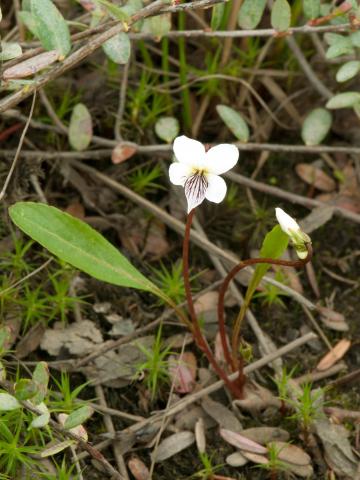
(281,15)
(80,128)
(316,126)
(348,71)
(343,100)
(118,48)
(234,121)
(167,128)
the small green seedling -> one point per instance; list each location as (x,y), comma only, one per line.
(274,465)
(156,365)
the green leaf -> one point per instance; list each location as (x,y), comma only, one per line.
(116,12)
(337,50)
(311,8)
(234,121)
(355,38)
(29,22)
(158,25)
(343,100)
(52,449)
(77,417)
(316,126)
(274,245)
(281,15)
(167,128)
(8,402)
(25,389)
(41,379)
(9,50)
(348,70)
(5,337)
(77,243)
(80,128)
(250,13)
(118,48)
(51,27)
(217,14)
(41,420)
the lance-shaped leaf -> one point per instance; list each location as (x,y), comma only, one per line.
(316,126)
(118,48)
(250,13)
(217,15)
(77,243)
(77,417)
(274,245)
(234,121)
(51,26)
(281,15)
(41,379)
(80,128)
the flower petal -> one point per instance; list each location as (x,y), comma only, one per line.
(287,223)
(188,151)
(178,173)
(195,190)
(216,190)
(221,158)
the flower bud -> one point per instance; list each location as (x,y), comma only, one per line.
(298,238)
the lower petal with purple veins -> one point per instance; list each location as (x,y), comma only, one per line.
(195,190)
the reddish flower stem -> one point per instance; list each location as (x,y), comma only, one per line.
(232,358)
(196,330)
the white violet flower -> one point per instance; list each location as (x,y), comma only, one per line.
(198,170)
(290,227)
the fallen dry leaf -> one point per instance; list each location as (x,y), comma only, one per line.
(334,355)
(76,209)
(206,307)
(122,152)
(318,217)
(222,415)
(265,435)
(30,341)
(311,275)
(186,420)
(182,371)
(173,445)
(236,459)
(338,452)
(138,469)
(290,453)
(200,435)
(241,442)
(257,398)
(331,319)
(255,457)
(117,368)
(79,338)
(315,177)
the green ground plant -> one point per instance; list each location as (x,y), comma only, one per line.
(156,365)
(144,180)
(274,465)
(209,469)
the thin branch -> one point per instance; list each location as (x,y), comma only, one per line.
(18,150)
